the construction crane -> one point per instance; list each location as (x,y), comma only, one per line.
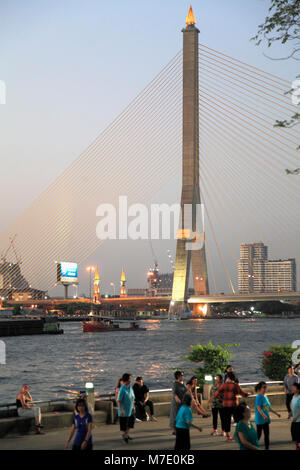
(13,248)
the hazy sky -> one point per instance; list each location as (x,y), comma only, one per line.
(70,68)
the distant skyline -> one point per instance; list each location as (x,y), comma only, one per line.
(70,67)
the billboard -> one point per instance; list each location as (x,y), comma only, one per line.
(67,273)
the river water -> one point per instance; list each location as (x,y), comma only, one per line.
(57,366)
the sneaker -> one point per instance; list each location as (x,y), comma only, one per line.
(137,420)
(214,432)
(130,438)
(223,433)
(206,416)
(228,438)
(153,418)
(125,439)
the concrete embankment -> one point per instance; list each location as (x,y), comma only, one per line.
(18,327)
(60,415)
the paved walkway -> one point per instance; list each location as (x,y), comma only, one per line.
(149,436)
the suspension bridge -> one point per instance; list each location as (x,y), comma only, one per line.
(242,158)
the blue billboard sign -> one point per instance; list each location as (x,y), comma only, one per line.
(68,272)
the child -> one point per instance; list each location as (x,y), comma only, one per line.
(82,422)
(184,420)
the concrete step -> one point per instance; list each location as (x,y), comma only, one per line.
(50,421)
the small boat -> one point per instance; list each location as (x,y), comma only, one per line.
(106,324)
(52,329)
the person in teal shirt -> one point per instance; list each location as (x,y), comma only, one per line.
(295,405)
(262,409)
(245,433)
(184,420)
(125,403)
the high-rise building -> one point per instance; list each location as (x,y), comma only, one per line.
(258,274)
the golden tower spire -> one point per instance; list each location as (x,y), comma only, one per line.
(190,19)
(96,286)
(123,292)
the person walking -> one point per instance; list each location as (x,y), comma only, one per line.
(192,390)
(230,391)
(245,433)
(141,393)
(178,392)
(262,409)
(26,409)
(217,406)
(125,403)
(184,420)
(295,405)
(228,369)
(82,424)
(289,380)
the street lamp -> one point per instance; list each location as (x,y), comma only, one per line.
(91,269)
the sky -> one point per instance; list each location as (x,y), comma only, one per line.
(70,67)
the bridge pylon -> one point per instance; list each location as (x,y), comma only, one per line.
(190,247)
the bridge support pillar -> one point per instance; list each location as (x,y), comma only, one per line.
(188,254)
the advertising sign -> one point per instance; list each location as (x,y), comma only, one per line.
(67,273)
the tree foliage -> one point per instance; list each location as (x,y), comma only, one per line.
(283,25)
(212,359)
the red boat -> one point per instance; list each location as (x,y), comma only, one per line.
(98,323)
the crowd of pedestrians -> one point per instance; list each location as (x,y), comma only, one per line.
(134,405)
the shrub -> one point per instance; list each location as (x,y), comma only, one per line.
(276,360)
(213,359)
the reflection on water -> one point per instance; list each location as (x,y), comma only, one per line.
(59,366)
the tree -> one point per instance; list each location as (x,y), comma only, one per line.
(276,360)
(283,25)
(17,310)
(213,359)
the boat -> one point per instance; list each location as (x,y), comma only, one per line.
(108,324)
(182,315)
(52,329)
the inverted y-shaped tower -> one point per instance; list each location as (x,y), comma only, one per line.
(190,196)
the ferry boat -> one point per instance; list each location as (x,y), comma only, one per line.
(108,324)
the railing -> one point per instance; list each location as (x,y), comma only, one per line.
(111,396)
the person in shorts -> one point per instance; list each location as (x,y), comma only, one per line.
(125,403)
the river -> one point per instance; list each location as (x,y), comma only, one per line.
(57,366)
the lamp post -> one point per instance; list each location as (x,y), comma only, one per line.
(91,269)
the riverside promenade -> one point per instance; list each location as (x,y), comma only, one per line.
(150,436)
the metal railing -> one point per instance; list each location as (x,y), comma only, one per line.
(111,396)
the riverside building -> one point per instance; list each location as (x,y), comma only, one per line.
(258,274)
